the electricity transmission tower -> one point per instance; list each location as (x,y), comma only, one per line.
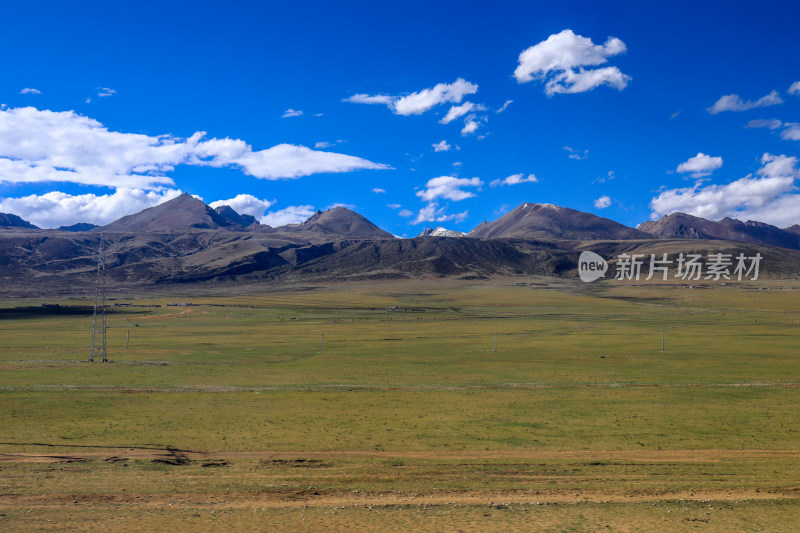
(99,302)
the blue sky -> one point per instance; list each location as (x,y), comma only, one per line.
(612,109)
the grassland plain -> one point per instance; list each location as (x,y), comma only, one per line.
(226,415)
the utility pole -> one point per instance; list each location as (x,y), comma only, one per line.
(100,287)
(662,342)
(321,337)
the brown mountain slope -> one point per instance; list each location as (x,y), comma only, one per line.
(547,221)
(182,213)
(335,224)
(229,213)
(681,225)
(13,221)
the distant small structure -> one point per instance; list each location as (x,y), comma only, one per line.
(180,304)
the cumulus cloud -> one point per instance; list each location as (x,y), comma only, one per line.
(700,165)
(504,106)
(57,208)
(294,214)
(562,59)
(433,213)
(733,102)
(378,190)
(246,204)
(458,111)
(791,131)
(602,202)
(406,213)
(448,187)
(771,123)
(292,113)
(30,90)
(471,125)
(418,102)
(794,88)
(49,146)
(441,146)
(768,197)
(514,179)
(104,92)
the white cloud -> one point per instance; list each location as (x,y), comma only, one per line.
(406,213)
(433,213)
(394,206)
(791,131)
(771,123)
(246,204)
(294,214)
(733,102)
(602,202)
(448,187)
(794,88)
(700,165)
(458,111)
(515,179)
(441,93)
(441,146)
(49,146)
(602,179)
(57,208)
(292,113)
(378,190)
(103,92)
(30,90)
(769,197)
(561,62)
(576,154)
(418,102)
(321,145)
(505,106)
(359,98)
(471,125)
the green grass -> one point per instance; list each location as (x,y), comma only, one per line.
(578,371)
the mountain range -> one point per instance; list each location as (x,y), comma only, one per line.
(185,240)
(683,226)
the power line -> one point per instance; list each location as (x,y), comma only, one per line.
(99,302)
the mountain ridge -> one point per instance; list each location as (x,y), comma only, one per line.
(10,220)
(682,225)
(548,221)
